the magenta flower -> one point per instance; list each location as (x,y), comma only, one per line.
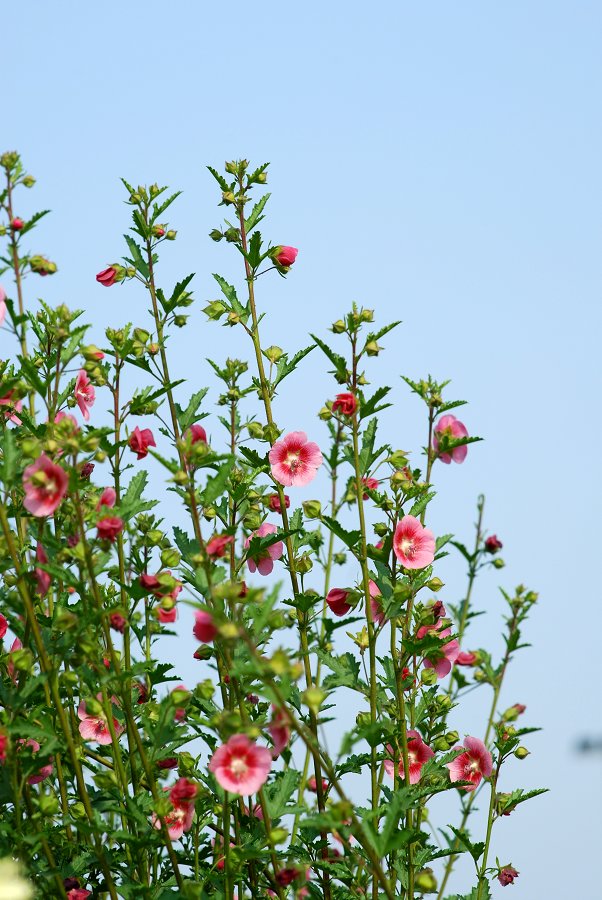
(274,502)
(109,528)
(295,460)
(507,875)
(240,766)
(337,601)
(466,658)
(45,486)
(217,545)
(451,428)
(140,440)
(285,256)
(263,562)
(346,404)
(84,393)
(418,754)
(204,629)
(3,626)
(167,613)
(108,276)
(197,433)
(493,544)
(371,484)
(17,224)
(376,607)
(43,579)
(279,730)
(78,894)
(107,498)
(473,765)
(95,727)
(413,545)
(179,819)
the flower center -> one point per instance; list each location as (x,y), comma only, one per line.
(293,461)
(407,547)
(239,768)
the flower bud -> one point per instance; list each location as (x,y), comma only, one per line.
(441,744)
(313,698)
(339,327)
(28,181)
(303,564)
(428,677)
(325,414)
(340,558)
(180,696)
(372,348)
(499,563)
(435,585)
(77,810)
(521,753)
(180,320)
(452,737)
(278,835)
(170,558)
(171,235)
(425,882)
(228,197)
(232,235)
(274,353)
(255,430)
(312,509)
(215,234)
(48,804)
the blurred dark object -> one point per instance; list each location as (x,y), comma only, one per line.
(590,745)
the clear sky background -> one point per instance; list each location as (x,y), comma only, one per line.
(439,162)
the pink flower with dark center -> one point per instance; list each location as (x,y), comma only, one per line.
(466,658)
(263,562)
(43,579)
(274,502)
(337,601)
(371,484)
(14,407)
(507,875)
(474,764)
(443,659)
(44,771)
(3,626)
(376,605)
(204,629)
(279,730)
(140,440)
(295,460)
(109,528)
(95,727)
(107,277)
(346,404)
(286,256)
(413,545)
(197,433)
(84,393)
(45,486)
(107,498)
(178,820)
(418,754)
(452,429)
(493,544)
(241,766)
(217,545)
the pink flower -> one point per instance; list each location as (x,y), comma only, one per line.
(17,224)
(179,819)
(62,416)
(506,875)
(376,607)
(452,429)
(117,621)
(84,393)
(45,486)
(3,626)
(346,404)
(139,441)
(279,730)
(43,579)
(15,405)
(443,659)
(263,562)
(107,498)
(473,765)
(413,545)
(493,544)
(109,528)
(217,545)
(3,748)
(312,785)
(204,629)
(197,433)
(167,614)
(183,791)
(295,460)
(466,658)
(286,256)
(95,727)
(274,502)
(78,894)
(337,601)
(240,766)
(170,762)
(10,666)
(418,754)
(371,484)
(107,277)
(44,771)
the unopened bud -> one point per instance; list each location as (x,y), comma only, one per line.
(228,197)
(274,353)
(425,882)
(339,326)
(521,753)
(435,584)
(428,677)
(325,414)
(312,509)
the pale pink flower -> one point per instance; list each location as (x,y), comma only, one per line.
(451,428)
(45,486)
(167,614)
(96,728)
(376,605)
(43,579)
(413,544)
(474,764)
(15,405)
(241,766)
(204,627)
(84,393)
(443,659)
(295,460)
(263,562)
(337,601)
(418,754)
(107,498)
(279,730)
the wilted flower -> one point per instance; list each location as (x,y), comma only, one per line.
(109,528)
(279,730)
(346,404)
(507,875)
(217,545)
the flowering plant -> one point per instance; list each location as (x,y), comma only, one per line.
(118,780)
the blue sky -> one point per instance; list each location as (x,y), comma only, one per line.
(438,162)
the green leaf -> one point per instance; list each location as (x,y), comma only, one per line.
(280,792)
(370,407)
(475,850)
(286,366)
(137,258)
(345,669)
(220,179)
(349,538)
(9,457)
(188,416)
(339,362)
(256,213)
(217,485)
(131,502)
